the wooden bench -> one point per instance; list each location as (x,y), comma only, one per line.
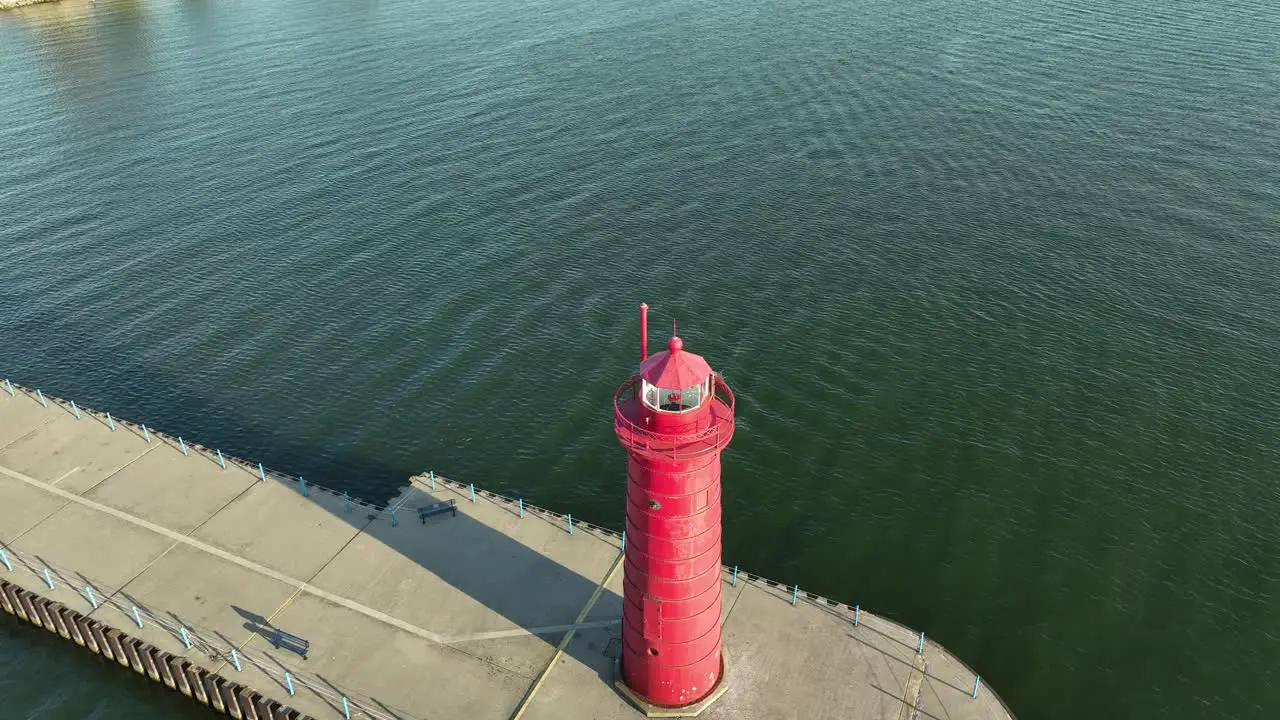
(440,508)
(282,640)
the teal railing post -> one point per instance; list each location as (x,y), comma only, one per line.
(735,576)
(48,579)
(346,502)
(288,681)
(183,444)
(5,559)
(146,435)
(111,423)
(346,709)
(88,591)
(235,659)
(432,474)
(222,462)
(41,396)
(521,507)
(570,523)
(795,593)
(624,541)
(920,645)
(977,681)
(394,522)
(75,409)
(303,482)
(136,617)
(473,492)
(186,641)
(857,610)
(262,473)
(9,385)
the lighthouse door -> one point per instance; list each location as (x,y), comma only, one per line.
(652,618)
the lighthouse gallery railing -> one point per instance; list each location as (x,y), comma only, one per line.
(686,445)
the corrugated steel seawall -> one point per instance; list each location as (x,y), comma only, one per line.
(177,673)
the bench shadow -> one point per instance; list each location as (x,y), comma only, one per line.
(251,618)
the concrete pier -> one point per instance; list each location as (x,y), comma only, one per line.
(486,615)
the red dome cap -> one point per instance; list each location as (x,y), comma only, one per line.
(674,369)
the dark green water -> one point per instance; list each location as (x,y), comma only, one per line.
(996,283)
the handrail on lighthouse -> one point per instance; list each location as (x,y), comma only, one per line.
(686,445)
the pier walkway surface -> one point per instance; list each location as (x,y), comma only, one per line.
(498,612)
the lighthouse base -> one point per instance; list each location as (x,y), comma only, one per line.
(667,711)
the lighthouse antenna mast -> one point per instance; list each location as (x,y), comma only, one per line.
(644,331)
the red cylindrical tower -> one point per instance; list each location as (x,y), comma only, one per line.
(674,417)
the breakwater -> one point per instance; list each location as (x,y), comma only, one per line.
(242,577)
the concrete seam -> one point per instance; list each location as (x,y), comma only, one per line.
(568,637)
(38,523)
(28,433)
(240,648)
(215,513)
(725,620)
(911,691)
(443,642)
(229,557)
(117,471)
(296,593)
(126,583)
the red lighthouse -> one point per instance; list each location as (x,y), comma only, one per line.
(674,417)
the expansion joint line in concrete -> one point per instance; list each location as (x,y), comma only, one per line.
(229,557)
(300,586)
(568,638)
(911,691)
(118,470)
(736,596)
(125,585)
(64,477)
(294,595)
(27,434)
(37,524)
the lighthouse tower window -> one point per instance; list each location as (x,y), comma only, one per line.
(650,395)
(674,399)
(691,397)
